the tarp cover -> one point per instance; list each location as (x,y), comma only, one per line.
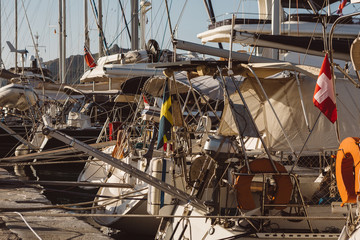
(207,85)
(285,98)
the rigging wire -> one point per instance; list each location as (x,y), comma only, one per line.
(21,22)
(180,18)
(108,200)
(317,22)
(153,20)
(6,16)
(106,15)
(126,24)
(159,26)
(211,14)
(126,27)
(167,22)
(33,41)
(95,12)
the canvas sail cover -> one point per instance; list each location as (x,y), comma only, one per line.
(228,124)
(285,98)
(208,86)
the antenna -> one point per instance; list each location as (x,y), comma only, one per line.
(37,43)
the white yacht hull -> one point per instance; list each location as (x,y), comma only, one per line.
(197,226)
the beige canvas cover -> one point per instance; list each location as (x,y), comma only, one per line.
(285,98)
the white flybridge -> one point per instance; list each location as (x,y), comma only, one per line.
(221,31)
(290,25)
(120,67)
(300,35)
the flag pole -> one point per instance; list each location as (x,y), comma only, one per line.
(166,121)
(330,51)
(337,126)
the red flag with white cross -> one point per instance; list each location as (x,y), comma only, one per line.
(324,95)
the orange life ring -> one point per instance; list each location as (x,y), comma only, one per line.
(347,180)
(284,185)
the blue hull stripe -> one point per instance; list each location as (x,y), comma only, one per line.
(163,178)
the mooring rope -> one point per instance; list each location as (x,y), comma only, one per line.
(27,224)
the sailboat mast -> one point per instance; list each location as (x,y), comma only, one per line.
(275,24)
(142,24)
(101,45)
(60,42)
(144,8)
(0,38)
(134,25)
(16,36)
(63,70)
(86,29)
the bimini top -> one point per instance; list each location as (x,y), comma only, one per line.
(284,94)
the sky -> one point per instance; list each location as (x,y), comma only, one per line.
(190,15)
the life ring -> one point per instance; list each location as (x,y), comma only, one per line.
(242,185)
(347,180)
